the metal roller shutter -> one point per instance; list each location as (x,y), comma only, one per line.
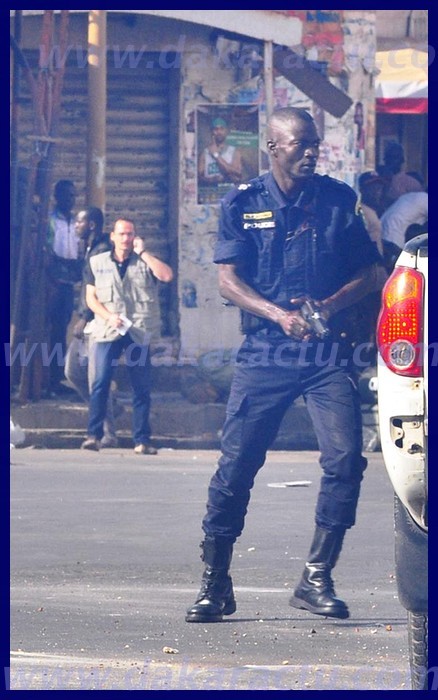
(138,147)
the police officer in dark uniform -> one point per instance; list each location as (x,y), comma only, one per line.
(286,237)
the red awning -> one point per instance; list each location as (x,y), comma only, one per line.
(402,105)
(402,82)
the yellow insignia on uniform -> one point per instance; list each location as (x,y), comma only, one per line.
(257,215)
(243,186)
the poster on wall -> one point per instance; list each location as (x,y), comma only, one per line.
(227,148)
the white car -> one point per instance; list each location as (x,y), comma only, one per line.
(402,371)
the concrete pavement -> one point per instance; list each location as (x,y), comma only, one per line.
(105,560)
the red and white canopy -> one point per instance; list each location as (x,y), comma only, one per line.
(401,85)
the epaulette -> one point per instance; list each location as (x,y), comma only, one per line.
(244,187)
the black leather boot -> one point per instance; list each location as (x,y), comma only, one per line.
(315,591)
(216,597)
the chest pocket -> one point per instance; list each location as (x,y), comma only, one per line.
(299,255)
(105,293)
(142,294)
(265,238)
(142,286)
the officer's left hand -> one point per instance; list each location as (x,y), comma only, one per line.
(300,328)
(323,308)
(323,305)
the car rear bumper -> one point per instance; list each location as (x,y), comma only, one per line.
(403,438)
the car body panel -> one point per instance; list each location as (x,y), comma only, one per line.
(403,410)
(403,438)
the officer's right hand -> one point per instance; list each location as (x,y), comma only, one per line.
(294,325)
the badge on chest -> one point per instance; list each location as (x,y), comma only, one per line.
(258,220)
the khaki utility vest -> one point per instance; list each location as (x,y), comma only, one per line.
(136,296)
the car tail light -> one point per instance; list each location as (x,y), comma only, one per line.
(400,322)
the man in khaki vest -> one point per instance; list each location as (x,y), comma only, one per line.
(122,292)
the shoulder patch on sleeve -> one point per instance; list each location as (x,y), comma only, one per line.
(244,187)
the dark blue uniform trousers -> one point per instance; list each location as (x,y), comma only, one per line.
(268,377)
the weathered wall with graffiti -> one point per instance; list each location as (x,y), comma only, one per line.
(220,81)
(342,45)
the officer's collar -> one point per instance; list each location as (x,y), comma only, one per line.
(304,199)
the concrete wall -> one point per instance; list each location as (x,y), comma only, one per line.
(347,46)
(342,42)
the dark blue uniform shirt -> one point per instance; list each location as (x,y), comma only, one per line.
(289,248)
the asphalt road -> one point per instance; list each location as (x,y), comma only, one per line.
(105,560)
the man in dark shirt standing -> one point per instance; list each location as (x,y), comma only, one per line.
(286,237)
(79,361)
(64,268)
